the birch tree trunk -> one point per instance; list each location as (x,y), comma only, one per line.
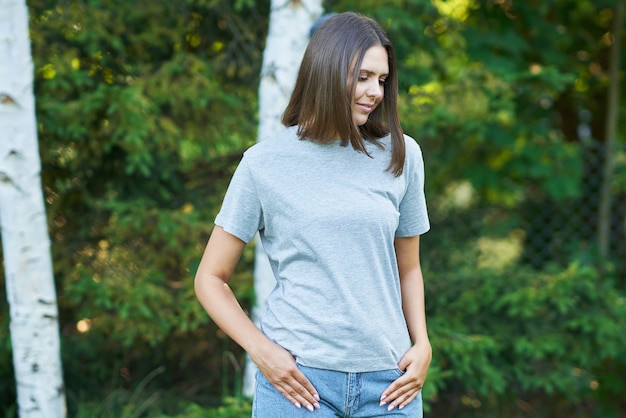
(25,242)
(287,38)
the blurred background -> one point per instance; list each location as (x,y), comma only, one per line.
(145,107)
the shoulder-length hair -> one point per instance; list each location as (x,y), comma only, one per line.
(320,103)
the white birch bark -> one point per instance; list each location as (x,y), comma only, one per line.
(287,38)
(25,242)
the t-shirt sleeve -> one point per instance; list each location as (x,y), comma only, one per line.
(413,212)
(241,213)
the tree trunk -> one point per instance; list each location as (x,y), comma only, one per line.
(612,118)
(27,261)
(287,38)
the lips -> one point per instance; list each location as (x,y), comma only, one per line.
(366,108)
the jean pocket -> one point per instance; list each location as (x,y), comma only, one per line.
(399,372)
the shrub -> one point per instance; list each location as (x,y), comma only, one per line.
(550,340)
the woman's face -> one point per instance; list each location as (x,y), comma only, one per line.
(370,84)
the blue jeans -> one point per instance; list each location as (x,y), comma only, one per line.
(345,395)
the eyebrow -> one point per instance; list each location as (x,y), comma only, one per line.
(372,73)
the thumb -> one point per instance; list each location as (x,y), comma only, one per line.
(404,363)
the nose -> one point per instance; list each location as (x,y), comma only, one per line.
(375,89)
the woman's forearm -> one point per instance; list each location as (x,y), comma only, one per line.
(216,268)
(222,306)
(412,287)
(413,305)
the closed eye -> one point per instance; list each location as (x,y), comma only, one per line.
(381,81)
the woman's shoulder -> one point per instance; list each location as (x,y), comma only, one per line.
(413,149)
(413,160)
(272,144)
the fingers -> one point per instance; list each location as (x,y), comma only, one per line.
(399,400)
(405,389)
(280,369)
(297,389)
(400,393)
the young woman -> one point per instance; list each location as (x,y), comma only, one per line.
(338,200)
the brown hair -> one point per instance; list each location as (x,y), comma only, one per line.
(321,104)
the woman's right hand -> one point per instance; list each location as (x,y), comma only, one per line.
(279,367)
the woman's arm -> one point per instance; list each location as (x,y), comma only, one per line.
(218,263)
(417,359)
(412,285)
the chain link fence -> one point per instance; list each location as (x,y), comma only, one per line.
(569,229)
(537,233)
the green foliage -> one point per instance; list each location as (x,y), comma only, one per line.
(8,408)
(121,403)
(144,109)
(231,408)
(509,336)
(493,92)
(134,408)
(143,401)
(487,91)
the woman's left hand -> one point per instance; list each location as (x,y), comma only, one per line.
(405,389)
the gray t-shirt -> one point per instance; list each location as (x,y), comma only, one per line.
(327,217)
